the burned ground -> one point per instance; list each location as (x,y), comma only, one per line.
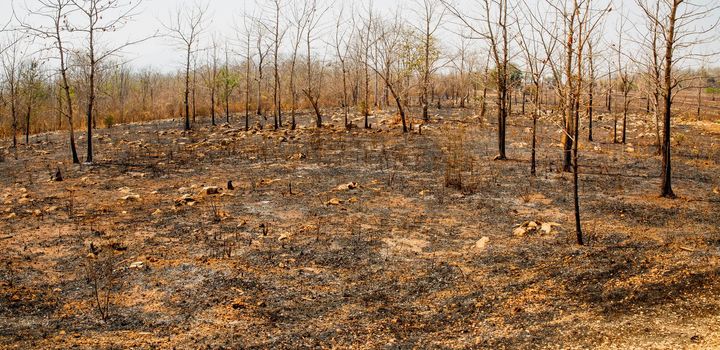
(360,239)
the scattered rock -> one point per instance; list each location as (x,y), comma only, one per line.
(534,227)
(298,156)
(186,199)
(211,190)
(334,201)
(11,216)
(481,244)
(347,186)
(157,212)
(284,236)
(131,198)
(137,265)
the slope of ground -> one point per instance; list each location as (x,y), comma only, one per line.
(359,239)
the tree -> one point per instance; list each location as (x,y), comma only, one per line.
(537,57)
(11,59)
(578,20)
(431,15)
(626,81)
(341,43)
(53,15)
(314,18)
(398,58)
(299,21)
(101,16)
(185,27)
(229,82)
(678,23)
(262,51)
(32,89)
(211,77)
(493,28)
(278,35)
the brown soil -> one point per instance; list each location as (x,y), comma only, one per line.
(292,259)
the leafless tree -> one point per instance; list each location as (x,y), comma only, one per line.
(211,76)
(341,43)
(431,15)
(626,81)
(101,16)
(312,93)
(397,56)
(537,57)
(185,26)
(15,50)
(32,88)
(49,21)
(299,23)
(492,25)
(679,24)
(263,49)
(278,33)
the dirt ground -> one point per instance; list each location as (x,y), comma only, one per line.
(359,239)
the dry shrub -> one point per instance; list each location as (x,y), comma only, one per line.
(459,160)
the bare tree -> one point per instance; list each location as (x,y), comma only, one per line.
(397,58)
(278,33)
(263,48)
(211,76)
(32,89)
(493,27)
(101,16)
(341,43)
(312,93)
(12,58)
(185,27)
(49,22)
(626,81)
(537,57)
(366,43)
(229,82)
(678,23)
(431,15)
(300,23)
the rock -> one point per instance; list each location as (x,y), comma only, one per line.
(11,216)
(157,212)
(333,201)
(298,156)
(481,244)
(131,198)
(230,186)
(284,236)
(211,190)
(535,227)
(519,231)
(347,186)
(137,265)
(186,199)
(547,227)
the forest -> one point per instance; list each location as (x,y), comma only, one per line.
(283,174)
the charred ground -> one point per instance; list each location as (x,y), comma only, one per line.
(359,239)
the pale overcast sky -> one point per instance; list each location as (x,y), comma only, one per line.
(223,14)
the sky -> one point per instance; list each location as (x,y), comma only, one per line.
(225,15)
